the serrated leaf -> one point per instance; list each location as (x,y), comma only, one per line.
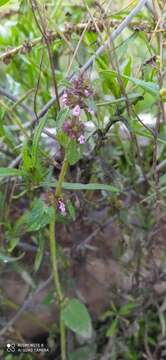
(77,318)
(62,115)
(36,140)
(26,157)
(73,153)
(38,217)
(4,172)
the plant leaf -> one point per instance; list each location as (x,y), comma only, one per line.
(10,172)
(62,115)
(90,187)
(62,139)
(76,318)
(127,70)
(26,157)
(127,308)
(36,139)
(73,153)
(113,328)
(38,217)
(6,259)
(147,86)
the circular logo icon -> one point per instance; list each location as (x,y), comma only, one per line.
(10,347)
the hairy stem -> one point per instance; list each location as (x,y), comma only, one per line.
(61,177)
(54,260)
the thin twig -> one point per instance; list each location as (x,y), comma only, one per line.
(77,48)
(69,28)
(46,36)
(38,82)
(16,100)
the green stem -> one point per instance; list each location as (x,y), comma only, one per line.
(63,338)
(54,260)
(53,249)
(61,178)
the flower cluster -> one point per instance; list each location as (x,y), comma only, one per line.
(74,128)
(74,97)
(77,93)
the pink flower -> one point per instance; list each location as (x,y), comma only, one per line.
(86,93)
(61,207)
(64,98)
(76,111)
(81,139)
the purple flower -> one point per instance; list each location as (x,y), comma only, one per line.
(81,139)
(66,126)
(61,207)
(76,111)
(64,98)
(86,93)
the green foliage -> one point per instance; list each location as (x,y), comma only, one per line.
(5,172)
(40,250)
(39,216)
(76,318)
(88,187)
(73,152)
(36,139)
(147,86)
(61,117)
